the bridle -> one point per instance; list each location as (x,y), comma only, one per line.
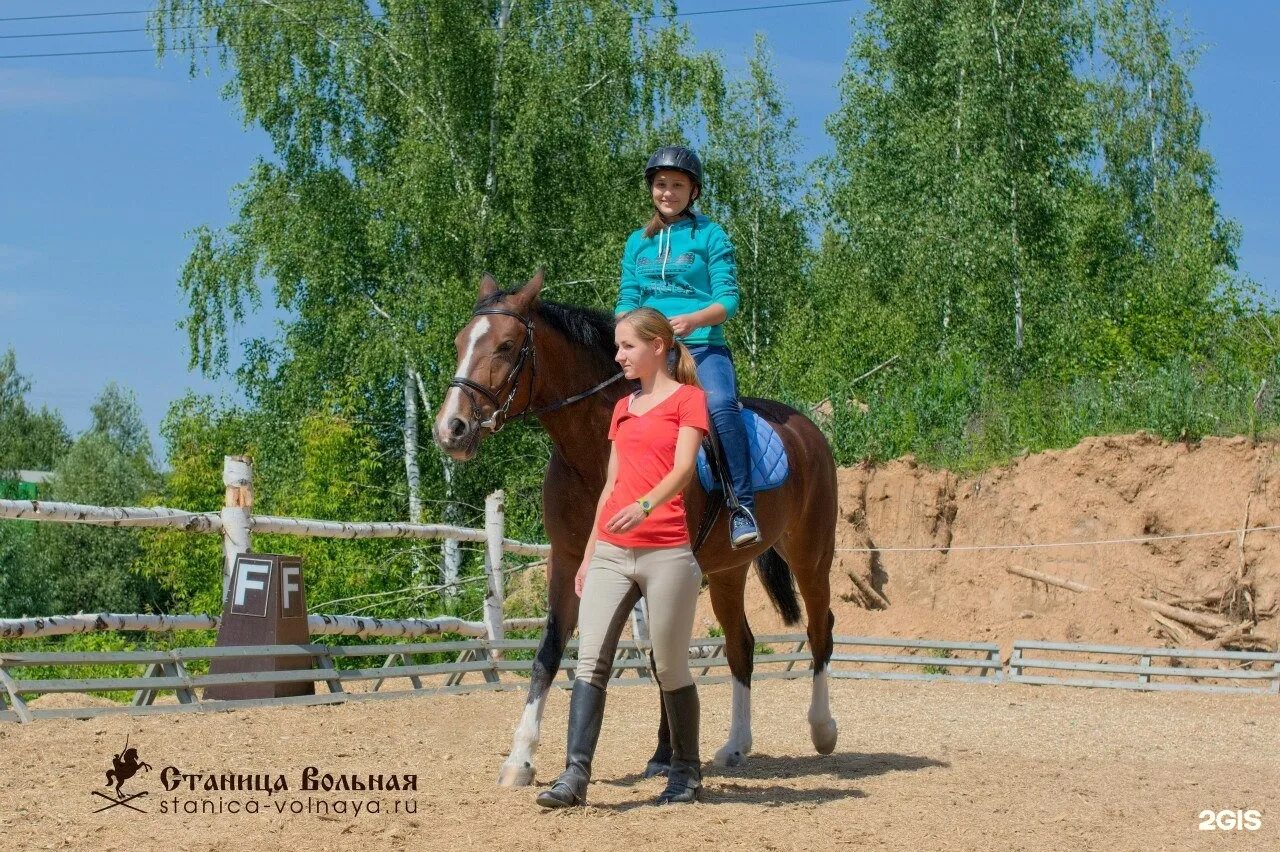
(526,356)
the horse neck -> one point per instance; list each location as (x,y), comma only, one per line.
(579,431)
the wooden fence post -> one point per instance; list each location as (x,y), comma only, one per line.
(237,477)
(495,532)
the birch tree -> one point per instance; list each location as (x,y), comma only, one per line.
(415,145)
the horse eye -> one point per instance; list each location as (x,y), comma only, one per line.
(506,346)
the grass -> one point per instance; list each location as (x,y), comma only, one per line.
(952,414)
(937,653)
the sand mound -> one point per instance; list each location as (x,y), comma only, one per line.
(1131,486)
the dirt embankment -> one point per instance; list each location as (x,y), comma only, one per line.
(1117,487)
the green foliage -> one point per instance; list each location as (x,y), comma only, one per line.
(951,413)
(29,440)
(82,568)
(1018,210)
(937,654)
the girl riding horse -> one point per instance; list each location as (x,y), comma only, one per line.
(682,265)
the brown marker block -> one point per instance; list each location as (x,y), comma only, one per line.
(266,605)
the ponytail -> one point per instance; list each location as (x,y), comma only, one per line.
(652,325)
(657,223)
(686,369)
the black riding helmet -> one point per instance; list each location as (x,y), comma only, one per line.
(675,157)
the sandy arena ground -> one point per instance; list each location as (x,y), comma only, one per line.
(919,766)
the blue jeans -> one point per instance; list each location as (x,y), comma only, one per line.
(716,373)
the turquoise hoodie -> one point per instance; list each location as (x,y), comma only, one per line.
(681,269)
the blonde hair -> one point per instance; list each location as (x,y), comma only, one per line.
(652,325)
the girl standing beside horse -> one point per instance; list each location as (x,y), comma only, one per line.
(639,547)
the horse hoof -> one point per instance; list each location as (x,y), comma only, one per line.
(656,768)
(516,775)
(728,756)
(824,736)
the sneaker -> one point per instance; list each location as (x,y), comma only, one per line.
(743,529)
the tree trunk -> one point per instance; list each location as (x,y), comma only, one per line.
(491,172)
(411,446)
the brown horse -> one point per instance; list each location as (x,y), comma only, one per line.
(521,356)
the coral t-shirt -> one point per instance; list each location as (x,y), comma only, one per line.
(646,448)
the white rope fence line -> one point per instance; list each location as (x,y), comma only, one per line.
(211,522)
(1139,540)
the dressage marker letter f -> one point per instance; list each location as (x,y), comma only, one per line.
(247,581)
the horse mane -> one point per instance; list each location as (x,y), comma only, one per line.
(589,328)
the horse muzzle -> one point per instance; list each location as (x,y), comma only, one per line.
(458,437)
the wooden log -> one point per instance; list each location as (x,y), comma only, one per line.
(210,522)
(1237,638)
(62,625)
(495,526)
(351,625)
(869,592)
(317,625)
(351,530)
(1050,579)
(1197,619)
(1175,631)
(237,479)
(110,516)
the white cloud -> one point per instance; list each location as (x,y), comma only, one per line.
(37,88)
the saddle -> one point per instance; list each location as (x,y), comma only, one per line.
(769,469)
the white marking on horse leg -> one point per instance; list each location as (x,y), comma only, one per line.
(735,750)
(518,769)
(453,398)
(822,727)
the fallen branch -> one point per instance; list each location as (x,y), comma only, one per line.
(1175,631)
(1050,579)
(869,592)
(1196,619)
(1240,640)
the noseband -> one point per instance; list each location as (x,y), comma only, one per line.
(526,356)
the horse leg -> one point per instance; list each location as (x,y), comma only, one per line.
(812,571)
(727,589)
(518,769)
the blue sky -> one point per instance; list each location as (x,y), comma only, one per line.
(107,162)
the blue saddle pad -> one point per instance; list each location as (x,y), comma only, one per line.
(769,465)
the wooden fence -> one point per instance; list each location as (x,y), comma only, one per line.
(476,665)
(1061,663)
(471,666)
(236,524)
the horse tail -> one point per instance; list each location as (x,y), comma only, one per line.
(111,774)
(775,576)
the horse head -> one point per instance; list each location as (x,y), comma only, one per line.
(495,376)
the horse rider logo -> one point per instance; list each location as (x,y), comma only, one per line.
(123,767)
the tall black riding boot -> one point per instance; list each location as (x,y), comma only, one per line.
(586,710)
(684,780)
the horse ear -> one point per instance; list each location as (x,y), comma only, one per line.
(488,286)
(529,292)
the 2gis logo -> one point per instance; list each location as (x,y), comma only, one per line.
(1236,820)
